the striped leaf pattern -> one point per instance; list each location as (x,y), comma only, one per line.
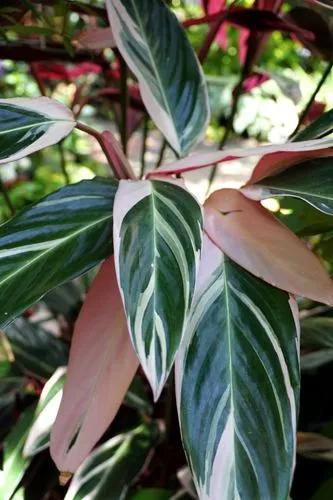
(109,470)
(311,181)
(237,380)
(47,408)
(53,241)
(172,85)
(27,125)
(157,243)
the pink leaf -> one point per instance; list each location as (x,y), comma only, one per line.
(102,365)
(253,238)
(199,160)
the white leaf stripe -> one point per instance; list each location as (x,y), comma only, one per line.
(27,125)
(157,242)
(237,378)
(67,228)
(171,80)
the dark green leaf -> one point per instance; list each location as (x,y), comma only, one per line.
(52,242)
(311,181)
(317,129)
(37,352)
(108,471)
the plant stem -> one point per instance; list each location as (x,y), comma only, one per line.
(144,146)
(123,102)
(63,162)
(117,170)
(161,155)
(7,199)
(314,95)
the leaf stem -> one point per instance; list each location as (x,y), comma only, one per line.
(144,145)
(124,99)
(314,95)
(110,153)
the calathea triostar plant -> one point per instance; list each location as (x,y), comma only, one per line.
(209,290)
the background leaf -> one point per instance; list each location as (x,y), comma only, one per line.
(37,352)
(110,469)
(27,125)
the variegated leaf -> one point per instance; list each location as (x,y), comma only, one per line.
(172,85)
(291,152)
(311,181)
(157,243)
(27,125)
(108,471)
(47,408)
(237,380)
(53,241)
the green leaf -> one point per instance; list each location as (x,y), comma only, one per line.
(237,379)
(137,398)
(316,337)
(14,463)
(157,240)
(47,408)
(37,352)
(325,491)
(311,181)
(27,125)
(111,468)
(172,85)
(53,241)
(151,494)
(317,129)
(302,218)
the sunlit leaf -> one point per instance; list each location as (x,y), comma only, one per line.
(48,405)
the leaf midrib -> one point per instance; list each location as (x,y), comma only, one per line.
(33,125)
(154,66)
(298,192)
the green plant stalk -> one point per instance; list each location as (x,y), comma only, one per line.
(6,198)
(63,162)
(144,146)
(123,103)
(314,95)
